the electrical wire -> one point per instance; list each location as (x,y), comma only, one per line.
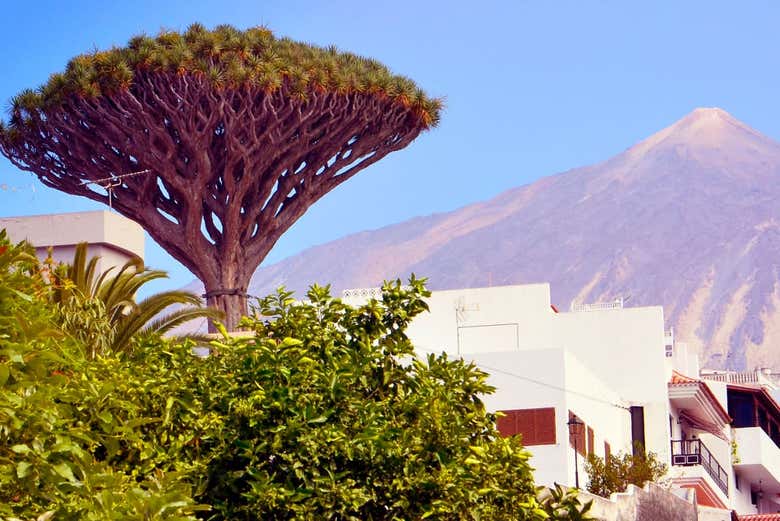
(538,382)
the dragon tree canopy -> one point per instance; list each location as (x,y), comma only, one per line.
(216,142)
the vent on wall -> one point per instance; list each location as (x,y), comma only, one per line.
(685,460)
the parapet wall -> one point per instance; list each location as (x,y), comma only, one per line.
(651,503)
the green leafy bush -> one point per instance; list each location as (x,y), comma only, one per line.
(621,470)
(331,417)
(324,413)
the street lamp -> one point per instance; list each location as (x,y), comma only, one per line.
(575,429)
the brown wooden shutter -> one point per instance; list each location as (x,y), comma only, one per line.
(535,426)
(507,425)
(590,441)
(526,426)
(607,451)
(545,426)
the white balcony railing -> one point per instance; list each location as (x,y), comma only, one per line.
(741,378)
(597,306)
(367,293)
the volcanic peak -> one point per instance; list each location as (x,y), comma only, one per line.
(705,130)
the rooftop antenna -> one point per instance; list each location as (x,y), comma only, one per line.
(109,183)
(461,308)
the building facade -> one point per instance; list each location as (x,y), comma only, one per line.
(624,381)
(112,237)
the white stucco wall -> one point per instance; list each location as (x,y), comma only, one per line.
(114,238)
(720,390)
(712,514)
(485,320)
(625,348)
(740,498)
(532,380)
(555,378)
(599,407)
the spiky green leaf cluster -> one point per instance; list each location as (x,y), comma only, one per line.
(101,309)
(230,59)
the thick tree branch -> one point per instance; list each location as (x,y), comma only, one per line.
(231,169)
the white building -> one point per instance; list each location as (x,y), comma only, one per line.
(114,238)
(620,373)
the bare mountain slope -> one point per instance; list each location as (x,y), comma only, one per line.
(687,218)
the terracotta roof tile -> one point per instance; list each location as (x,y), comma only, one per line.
(679,378)
(760,517)
(686,381)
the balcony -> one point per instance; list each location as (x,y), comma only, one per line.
(688,453)
(757,378)
(758,458)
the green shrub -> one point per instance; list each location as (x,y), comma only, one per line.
(621,470)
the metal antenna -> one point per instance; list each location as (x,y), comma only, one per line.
(110,189)
(109,183)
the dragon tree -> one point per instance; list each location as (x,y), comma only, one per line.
(216,142)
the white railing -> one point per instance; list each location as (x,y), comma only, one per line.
(362,293)
(597,306)
(733,378)
(743,377)
(367,293)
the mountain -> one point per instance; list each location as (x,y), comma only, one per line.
(687,218)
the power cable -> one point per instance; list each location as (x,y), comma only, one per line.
(539,382)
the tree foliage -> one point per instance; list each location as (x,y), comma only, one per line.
(617,472)
(229,59)
(324,413)
(340,421)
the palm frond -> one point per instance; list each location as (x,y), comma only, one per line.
(145,312)
(172,320)
(115,291)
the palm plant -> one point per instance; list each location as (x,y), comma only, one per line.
(560,503)
(101,308)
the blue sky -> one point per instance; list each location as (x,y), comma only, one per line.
(532,88)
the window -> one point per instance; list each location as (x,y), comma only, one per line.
(741,409)
(536,426)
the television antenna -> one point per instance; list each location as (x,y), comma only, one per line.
(109,183)
(461,308)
